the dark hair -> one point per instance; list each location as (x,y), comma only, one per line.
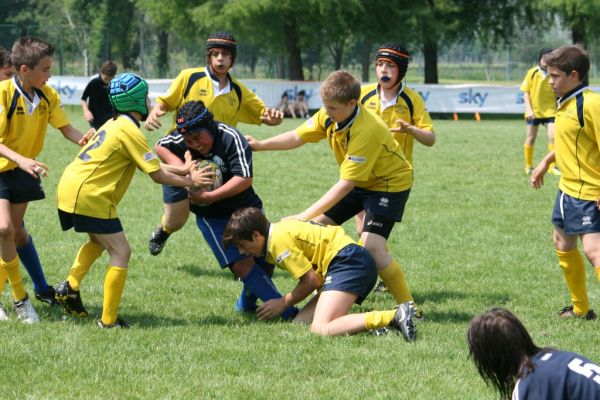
(570,58)
(501,349)
(340,86)
(29,51)
(5,59)
(221,40)
(543,52)
(194,116)
(243,223)
(396,53)
(301,93)
(108,68)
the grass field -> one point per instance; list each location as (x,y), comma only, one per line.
(474,236)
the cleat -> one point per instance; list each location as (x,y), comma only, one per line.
(26,312)
(379,331)
(157,241)
(403,321)
(70,300)
(418,313)
(568,312)
(119,323)
(380,287)
(3,315)
(242,307)
(49,297)
(554,171)
(528,170)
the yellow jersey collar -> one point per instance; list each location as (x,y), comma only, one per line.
(565,99)
(384,103)
(348,122)
(30,103)
(215,83)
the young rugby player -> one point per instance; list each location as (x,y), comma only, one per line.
(92,186)
(508,360)
(577,154)
(94,99)
(228,100)
(27,106)
(540,107)
(374,173)
(321,258)
(229,152)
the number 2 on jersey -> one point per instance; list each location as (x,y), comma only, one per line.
(97,140)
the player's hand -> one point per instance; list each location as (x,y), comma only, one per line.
(34,168)
(152,121)
(203,177)
(529,116)
(403,126)
(253,143)
(188,162)
(296,217)
(271,117)
(88,116)
(86,137)
(271,309)
(537,176)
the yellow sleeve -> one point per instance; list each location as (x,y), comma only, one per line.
(134,144)
(174,96)
(526,85)
(592,119)
(421,117)
(314,128)
(361,157)
(57,116)
(252,107)
(3,115)
(288,256)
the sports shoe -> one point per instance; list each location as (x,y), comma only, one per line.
(568,312)
(118,324)
(528,170)
(48,297)
(157,241)
(379,331)
(26,312)
(403,320)
(3,316)
(243,306)
(381,287)
(70,300)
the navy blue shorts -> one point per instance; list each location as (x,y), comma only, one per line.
(17,186)
(173,194)
(575,216)
(540,121)
(382,209)
(212,229)
(352,270)
(83,223)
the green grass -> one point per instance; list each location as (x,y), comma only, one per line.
(474,235)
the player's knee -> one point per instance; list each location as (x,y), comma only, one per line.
(242,268)
(7,231)
(319,329)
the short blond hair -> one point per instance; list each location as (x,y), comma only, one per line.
(340,86)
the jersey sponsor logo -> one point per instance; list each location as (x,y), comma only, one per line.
(384,202)
(282,256)
(20,110)
(149,156)
(357,159)
(310,123)
(586,220)
(327,280)
(203,92)
(375,223)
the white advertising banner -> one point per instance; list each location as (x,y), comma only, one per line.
(466,98)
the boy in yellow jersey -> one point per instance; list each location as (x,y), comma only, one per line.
(227,99)
(321,258)
(27,105)
(374,173)
(577,154)
(94,183)
(540,107)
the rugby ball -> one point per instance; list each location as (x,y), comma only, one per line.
(217,179)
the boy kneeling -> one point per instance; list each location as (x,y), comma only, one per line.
(322,258)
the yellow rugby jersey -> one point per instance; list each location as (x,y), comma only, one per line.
(576,139)
(238,105)
(23,123)
(409,107)
(94,183)
(364,149)
(543,100)
(298,246)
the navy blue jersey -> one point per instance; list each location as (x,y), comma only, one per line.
(559,375)
(233,156)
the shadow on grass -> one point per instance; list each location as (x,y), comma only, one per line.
(198,271)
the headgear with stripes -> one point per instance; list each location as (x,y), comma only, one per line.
(193,117)
(221,40)
(396,53)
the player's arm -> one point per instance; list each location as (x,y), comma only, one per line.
(152,121)
(329,199)
(285,141)
(72,134)
(29,165)
(196,179)
(307,284)
(180,167)
(528,107)
(537,176)
(423,136)
(87,114)
(235,185)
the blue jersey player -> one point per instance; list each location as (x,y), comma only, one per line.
(508,360)
(228,151)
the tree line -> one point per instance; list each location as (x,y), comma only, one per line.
(295,36)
